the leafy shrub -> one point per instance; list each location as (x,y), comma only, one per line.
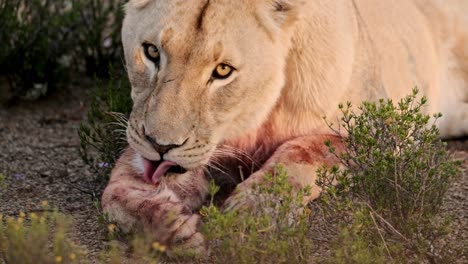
(103,133)
(275,231)
(43,238)
(45,40)
(38,238)
(97,39)
(143,248)
(396,174)
(35,34)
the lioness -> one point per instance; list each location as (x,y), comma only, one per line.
(235,87)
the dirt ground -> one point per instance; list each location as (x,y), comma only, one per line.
(39,157)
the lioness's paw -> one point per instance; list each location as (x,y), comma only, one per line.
(239,200)
(179,230)
(117,214)
(158,211)
(194,245)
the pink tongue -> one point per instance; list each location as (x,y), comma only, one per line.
(152,173)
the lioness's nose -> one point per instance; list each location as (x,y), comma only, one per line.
(161,149)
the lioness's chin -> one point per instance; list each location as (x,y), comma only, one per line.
(137,163)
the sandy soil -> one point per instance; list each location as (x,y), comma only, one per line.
(456,201)
(39,157)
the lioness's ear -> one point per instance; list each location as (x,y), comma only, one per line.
(285,12)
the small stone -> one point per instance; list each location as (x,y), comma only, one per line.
(46,174)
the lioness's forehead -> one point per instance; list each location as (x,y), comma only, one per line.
(173,24)
(183,16)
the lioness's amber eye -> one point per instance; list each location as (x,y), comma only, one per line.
(222,71)
(152,53)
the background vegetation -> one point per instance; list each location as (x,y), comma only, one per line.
(45,43)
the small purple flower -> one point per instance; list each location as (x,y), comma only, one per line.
(19,176)
(103,165)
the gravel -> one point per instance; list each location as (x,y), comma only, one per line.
(39,157)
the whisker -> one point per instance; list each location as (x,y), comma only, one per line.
(120,119)
(231,179)
(121,130)
(207,171)
(119,124)
(239,152)
(232,154)
(215,167)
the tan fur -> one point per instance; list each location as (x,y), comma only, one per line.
(295,61)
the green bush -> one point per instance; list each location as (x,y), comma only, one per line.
(274,231)
(97,40)
(103,132)
(35,35)
(39,239)
(44,238)
(44,41)
(397,171)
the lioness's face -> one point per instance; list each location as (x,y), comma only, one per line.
(202,72)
